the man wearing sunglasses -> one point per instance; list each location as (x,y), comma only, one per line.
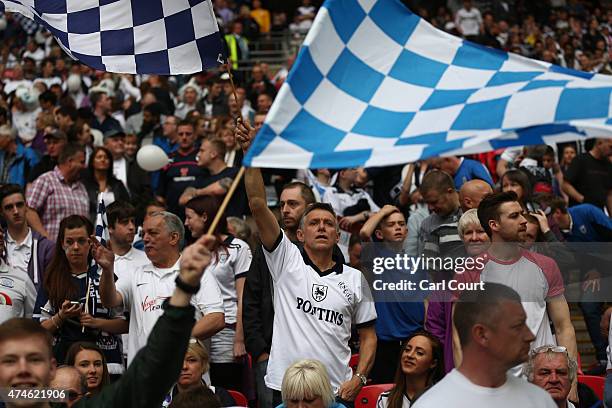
(552,369)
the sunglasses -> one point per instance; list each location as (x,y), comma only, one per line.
(548,349)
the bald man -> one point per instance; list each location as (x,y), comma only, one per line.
(70,379)
(472,192)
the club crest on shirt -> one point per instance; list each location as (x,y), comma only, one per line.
(319,292)
(184,171)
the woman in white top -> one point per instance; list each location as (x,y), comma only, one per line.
(230,266)
(421,365)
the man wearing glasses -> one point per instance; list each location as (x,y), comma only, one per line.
(552,369)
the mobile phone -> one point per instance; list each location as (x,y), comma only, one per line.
(75,302)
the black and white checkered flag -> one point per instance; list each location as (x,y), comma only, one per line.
(165,37)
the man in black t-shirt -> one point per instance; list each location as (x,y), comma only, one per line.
(589,177)
(211,157)
(182,171)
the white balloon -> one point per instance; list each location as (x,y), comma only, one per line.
(151,158)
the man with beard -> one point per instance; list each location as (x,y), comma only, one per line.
(492,329)
(535,277)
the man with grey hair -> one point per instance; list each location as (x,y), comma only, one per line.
(69,379)
(142,291)
(551,368)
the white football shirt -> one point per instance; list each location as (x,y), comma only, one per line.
(144,291)
(231,262)
(314,313)
(17,293)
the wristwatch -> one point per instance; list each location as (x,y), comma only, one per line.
(362,378)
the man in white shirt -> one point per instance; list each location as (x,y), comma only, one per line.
(552,369)
(494,336)
(143,290)
(469,20)
(27,252)
(316,297)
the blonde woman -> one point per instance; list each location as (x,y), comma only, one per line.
(306,384)
(195,364)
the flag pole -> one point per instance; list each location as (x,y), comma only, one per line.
(238,178)
(87,297)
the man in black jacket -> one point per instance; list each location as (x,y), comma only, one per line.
(26,358)
(257,307)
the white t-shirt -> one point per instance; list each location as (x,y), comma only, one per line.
(457,391)
(128,262)
(120,171)
(124,264)
(17,293)
(314,313)
(18,255)
(231,262)
(469,21)
(144,291)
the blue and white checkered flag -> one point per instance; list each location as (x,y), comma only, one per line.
(131,36)
(102,224)
(375,85)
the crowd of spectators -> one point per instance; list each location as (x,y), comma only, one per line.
(289,278)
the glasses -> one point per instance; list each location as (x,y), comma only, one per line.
(548,349)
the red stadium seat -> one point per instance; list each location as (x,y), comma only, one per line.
(239,398)
(579,362)
(369,394)
(595,383)
(354,362)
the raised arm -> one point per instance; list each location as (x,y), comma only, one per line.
(370,225)
(157,366)
(109,295)
(267,225)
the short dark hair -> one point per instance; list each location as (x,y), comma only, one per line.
(219,147)
(480,306)
(119,211)
(317,206)
(48,96)
(437,180)
(557,203)
(196,397)
(488,209)
(186,122)
(69,151)
(155,109)
(66,110)
(95,97)
(20,328)
(520,177)
(10,189)
(305,191)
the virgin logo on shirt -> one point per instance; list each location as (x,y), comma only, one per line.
(319,292)
(152,304)
(5,300)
